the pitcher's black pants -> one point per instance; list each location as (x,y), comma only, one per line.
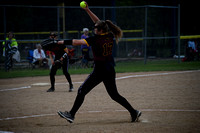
(102,73)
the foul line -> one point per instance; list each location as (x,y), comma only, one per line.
(14,89)
(156,74)
(23,117)
(86,112)
(125,77)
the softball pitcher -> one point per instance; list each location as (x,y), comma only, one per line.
(102,44)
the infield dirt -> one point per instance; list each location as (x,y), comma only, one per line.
(169,103)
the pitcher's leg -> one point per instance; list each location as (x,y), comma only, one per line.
(85,88)
(111,88)
(113,93)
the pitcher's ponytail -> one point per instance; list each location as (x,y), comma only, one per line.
(115,30)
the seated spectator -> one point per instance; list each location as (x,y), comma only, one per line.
(39,57)
(50,56)
(191,51)
(197,51)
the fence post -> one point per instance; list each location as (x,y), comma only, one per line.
(145,36)
(104,13)
(179,34)
(5,45)
(58,21)
(63,17)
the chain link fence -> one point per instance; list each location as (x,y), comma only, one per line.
(148,31)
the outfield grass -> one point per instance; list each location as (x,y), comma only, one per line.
(156,65)
(121,67)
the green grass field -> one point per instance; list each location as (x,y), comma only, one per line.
(121,67)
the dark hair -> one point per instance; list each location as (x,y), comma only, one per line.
(53,34)
(11,32)
(108,26)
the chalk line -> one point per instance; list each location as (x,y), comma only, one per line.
(14,89)
(99,111)
(23,117)
(6,132)
(156,74)
(119,78)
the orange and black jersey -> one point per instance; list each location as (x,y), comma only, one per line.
(102,46)
(58,50)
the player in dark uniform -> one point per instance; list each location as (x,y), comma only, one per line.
(61,60)
(102,44)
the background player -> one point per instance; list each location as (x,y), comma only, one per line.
(85,49)
(61,60)
(10,50)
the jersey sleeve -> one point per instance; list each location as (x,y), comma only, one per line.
(90,41)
